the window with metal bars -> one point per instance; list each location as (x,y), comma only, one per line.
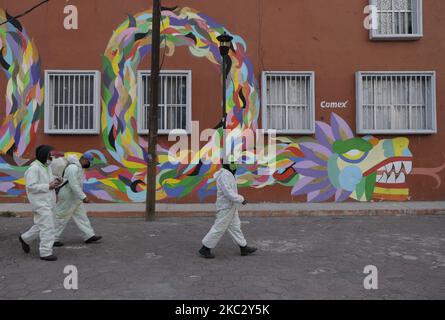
(174,101)
(398,19)
(72,102)
(288,101)
(396,102)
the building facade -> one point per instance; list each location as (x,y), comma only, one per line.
(351,88)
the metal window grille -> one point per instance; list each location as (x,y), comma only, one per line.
(289,102)
(398,17)
(174,101)
(397,103)
(72,102)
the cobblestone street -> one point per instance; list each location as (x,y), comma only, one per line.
(298,258)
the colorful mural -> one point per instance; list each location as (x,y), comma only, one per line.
(333,166)
(130,43)
(20,61)
(341,165)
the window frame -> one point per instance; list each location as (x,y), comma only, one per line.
(264,104)
(359,103)
(188,130)
(374,35)
(97,99)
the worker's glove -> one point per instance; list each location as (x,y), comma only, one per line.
(53,184)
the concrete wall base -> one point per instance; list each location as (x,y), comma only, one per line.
(252,210)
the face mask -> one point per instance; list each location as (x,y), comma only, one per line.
(48,162)
(231,168)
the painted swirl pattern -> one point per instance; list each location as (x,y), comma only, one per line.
(333,165)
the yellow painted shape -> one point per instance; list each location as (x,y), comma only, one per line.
(400,145)
(393,192)
(20,181)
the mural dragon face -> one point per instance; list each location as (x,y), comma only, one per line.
(372,168)
(341,165)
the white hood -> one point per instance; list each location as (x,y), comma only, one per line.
(72,159)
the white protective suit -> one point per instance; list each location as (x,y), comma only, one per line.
(38,178)
(57,166)
(227,217)
(70,201)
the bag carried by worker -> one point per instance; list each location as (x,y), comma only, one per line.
(58,167)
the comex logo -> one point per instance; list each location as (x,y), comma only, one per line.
(334,105)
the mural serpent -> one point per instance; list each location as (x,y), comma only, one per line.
(334,165)
(20,60)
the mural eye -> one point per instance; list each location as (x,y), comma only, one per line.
(354,155)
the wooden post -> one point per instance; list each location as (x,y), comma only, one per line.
(150,212)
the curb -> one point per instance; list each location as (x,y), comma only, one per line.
(265,214)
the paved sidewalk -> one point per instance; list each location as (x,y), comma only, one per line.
(256,209)
(299,258)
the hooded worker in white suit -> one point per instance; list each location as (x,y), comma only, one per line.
(71,200)
(227,218)
(40,186)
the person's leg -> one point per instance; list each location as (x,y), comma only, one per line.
(83,223)
(235,231)
(32,234)
(222,222)
(45,221)
(238,236)
(61,222)
(64,211)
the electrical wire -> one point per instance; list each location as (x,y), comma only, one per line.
(165,46)
(165,37)
(24,13)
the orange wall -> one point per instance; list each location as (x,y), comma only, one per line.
(326,37)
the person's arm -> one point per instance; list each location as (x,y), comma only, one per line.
(71,173)
(228,191)
(32,182)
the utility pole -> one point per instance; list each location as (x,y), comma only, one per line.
(150,211)
(224,89)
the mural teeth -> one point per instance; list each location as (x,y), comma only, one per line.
(392,178)
(379,177)
(384,178)
(401,178)
(389,167)
(408,166)
(398,166)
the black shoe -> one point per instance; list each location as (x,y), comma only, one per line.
(49,258)
(93,239)
(58,244)
(206,253)
(245,251)
(25,246)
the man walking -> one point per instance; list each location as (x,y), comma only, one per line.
(71,199)
(227,217)
(40,185)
